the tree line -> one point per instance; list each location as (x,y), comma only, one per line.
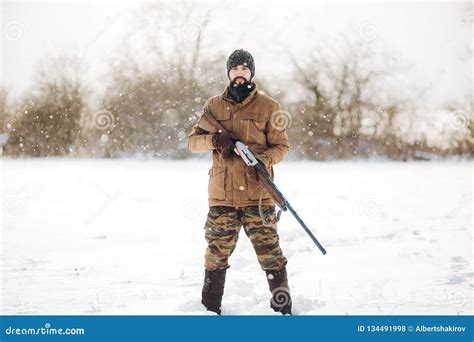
(343,108)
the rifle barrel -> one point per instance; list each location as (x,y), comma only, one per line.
(287,206)
(305,227)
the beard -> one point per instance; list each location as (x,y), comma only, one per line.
(240,91)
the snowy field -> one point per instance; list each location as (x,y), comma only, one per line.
(126,237)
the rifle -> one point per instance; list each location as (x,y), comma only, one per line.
(263,177)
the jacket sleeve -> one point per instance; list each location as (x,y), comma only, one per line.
(277,140)
(199,140)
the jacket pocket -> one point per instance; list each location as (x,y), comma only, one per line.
(254,127)
(254,189)
(222,115)
(217,183)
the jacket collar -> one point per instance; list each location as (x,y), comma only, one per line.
(226,96)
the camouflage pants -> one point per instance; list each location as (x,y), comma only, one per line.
(222,231)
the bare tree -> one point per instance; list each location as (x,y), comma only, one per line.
(3,107)
(154,100)
(340,110)
(46,120)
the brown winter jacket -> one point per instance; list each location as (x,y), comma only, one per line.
(250,121)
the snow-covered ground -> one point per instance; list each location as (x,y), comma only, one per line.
(126,237)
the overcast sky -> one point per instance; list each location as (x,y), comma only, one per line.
(432,39)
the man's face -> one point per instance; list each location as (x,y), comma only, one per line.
(239,74)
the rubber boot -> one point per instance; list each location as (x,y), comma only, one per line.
(278,284)
(213,289)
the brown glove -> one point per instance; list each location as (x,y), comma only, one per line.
(222,141)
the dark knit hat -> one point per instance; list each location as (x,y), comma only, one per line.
(241,57)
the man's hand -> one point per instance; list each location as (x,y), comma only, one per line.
(223,142)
